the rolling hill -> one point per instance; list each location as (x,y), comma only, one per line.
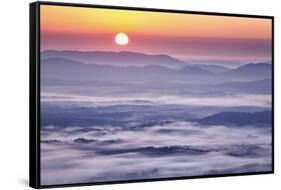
(65,69)
(123,58)
(251,71)
(238,118)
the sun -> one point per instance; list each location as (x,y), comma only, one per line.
(121,39)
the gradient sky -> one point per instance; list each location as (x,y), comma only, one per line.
(185,36)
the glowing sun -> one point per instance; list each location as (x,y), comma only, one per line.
(121,39)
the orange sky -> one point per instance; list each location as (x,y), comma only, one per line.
(90,20)
(94,29)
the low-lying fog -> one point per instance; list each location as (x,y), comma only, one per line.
(148,135)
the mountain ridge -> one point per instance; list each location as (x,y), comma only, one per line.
(151,66)
(60,68)
(121,58)
(237,118)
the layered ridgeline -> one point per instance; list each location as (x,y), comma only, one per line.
(132,67)
(121,59)
(139,63)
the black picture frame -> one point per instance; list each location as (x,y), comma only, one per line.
(34,98)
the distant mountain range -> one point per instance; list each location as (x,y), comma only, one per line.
(65,69)
(238,118)
(251,70)
(213,68)
(120,66)
(223,63)
(123,58)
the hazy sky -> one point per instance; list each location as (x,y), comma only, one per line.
(185,36)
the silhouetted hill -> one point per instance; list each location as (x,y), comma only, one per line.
(123,58)
(251,71)
(191,70)
(224,63)
(238,118)
(213,68)
(157,151)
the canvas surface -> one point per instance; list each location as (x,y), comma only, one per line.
(128,95)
